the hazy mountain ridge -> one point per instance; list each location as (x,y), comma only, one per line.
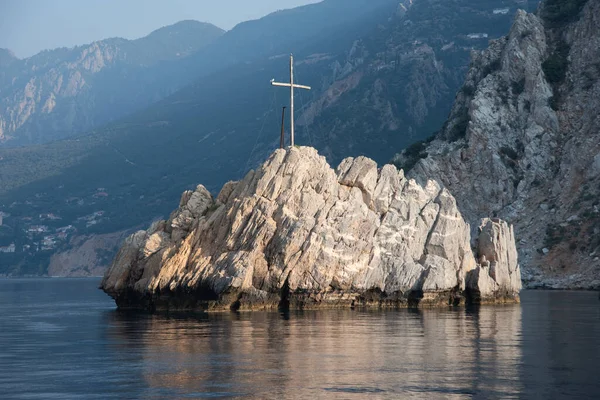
(7,57)
(57,93)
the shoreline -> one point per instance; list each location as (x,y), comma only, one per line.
(182,301)
(537,287)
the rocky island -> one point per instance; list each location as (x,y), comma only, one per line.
(296,233)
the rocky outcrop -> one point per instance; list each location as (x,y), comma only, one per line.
(297,234)
(87,255)
(523,142)
(498,272)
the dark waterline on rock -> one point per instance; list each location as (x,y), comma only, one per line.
(63,339)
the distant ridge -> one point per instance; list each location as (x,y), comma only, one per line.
(205,30)
(57,93)
(7,57)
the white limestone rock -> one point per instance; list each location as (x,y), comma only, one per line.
(296,233)
(191,206)
(498,272)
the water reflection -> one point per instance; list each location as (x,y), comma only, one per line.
(561,345)
(63,339)
(429,353)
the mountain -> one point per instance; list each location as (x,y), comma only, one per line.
(177,62)
(61,92)
(368,62)
(395,85)
(7,57)
(523,142)
(296,233)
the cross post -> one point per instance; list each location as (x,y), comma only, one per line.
(291,85)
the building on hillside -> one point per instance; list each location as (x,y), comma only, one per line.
(48,243)
(37,229)
(8,249)
(65,229)
(501,11)
(477,35)
(2,216)
(49,216)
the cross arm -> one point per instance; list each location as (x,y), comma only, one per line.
(289,85)
(280,84)
(301,87)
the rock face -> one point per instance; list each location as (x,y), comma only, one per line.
(296,234)
(89,255)
(498,272)
(523,142)
(398,84)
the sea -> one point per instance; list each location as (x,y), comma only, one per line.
(65,339)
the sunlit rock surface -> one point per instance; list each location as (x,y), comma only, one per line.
(296,233)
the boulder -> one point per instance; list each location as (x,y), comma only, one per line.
(498,275)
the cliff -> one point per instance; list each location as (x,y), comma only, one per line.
(297,234)
(523,142)
(396,85)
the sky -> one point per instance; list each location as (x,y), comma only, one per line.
(29,26)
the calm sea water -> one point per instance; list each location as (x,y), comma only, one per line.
(63,339)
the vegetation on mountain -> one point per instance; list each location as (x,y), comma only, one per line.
(555,67)
(561,12)
(413,153)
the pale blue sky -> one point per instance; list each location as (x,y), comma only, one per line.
(29,26)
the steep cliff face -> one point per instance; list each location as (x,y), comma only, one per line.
(396,85)
(523,142)
(295,233)
(60,92)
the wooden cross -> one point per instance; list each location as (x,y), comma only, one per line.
(292,86)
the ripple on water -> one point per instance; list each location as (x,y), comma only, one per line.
(45,327)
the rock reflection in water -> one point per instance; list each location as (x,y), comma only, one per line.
(334,354)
